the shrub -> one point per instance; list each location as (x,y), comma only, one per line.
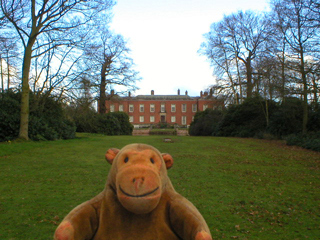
(247,119)
(287,119)
(310,141)
(9,116)
(314,119)
(123,119)
(47,120)
(107,124)
(206,123)
(115,123)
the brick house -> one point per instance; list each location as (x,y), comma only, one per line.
(146,110)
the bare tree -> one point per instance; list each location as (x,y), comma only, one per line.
(238,38)
(32,20)
(109,56)
(8,60)
(300,34)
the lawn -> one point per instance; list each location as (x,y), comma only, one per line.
(244,188)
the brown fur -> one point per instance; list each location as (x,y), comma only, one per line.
(138,202)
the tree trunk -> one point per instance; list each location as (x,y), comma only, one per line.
(315,90)
(249,78)
(305,96)
(2,82)
(102,98)
(24,111)
(8,70)
(283,75)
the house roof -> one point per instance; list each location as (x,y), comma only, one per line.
(163,97)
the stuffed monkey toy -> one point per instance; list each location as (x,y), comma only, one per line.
(138,202)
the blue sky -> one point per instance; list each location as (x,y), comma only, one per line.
(165,35)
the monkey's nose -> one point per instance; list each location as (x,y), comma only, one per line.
(138,182)
(138,179)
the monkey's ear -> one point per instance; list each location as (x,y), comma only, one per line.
(168,159)
(111,154)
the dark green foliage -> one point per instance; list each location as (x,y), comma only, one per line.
(247,119)
(46,120)
(287,119)
(123,119)
(310,141)
(88,120)
(115,123)
(9,115)
(261,119)
(206,123)
(314,119)
(84,117)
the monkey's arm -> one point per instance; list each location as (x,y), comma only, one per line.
(187,221)
(81,223)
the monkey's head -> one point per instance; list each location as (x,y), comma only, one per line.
(139,175)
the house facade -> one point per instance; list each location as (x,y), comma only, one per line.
(147,110)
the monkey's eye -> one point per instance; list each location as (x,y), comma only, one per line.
(151,160)
(126,160)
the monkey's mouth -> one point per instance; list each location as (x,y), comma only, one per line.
(137,196)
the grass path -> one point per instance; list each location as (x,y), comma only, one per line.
(245,188)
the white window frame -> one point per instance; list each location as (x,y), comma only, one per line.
(131,119)
(152,108)
(141,108)
(173,108)
(152,119)
(163,107)
(131,108)
(194,107)
(112,108)
(184,120)
(141,119)
(120,108)
(184,107)
(205,106)
(173,119)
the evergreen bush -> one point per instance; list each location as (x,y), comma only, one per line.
(47,119)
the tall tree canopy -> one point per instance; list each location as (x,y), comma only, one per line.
(43,25)
(233,44)
(110,63)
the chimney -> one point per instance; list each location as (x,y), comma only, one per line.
(178,91)
(129,94)
(186,93)
(112,92)
(152,92)
(201,94)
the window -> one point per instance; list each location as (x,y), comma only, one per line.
(184,107)
(173,119)
(184,120)
(131,108)
(111,108)
(121,108)
(163,107)
(141,108)
(141,118)
(151,118)
(131,119)
(152,108)
(194,107)
(173,108)
(205,106)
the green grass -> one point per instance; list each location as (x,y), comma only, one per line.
(244,188)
